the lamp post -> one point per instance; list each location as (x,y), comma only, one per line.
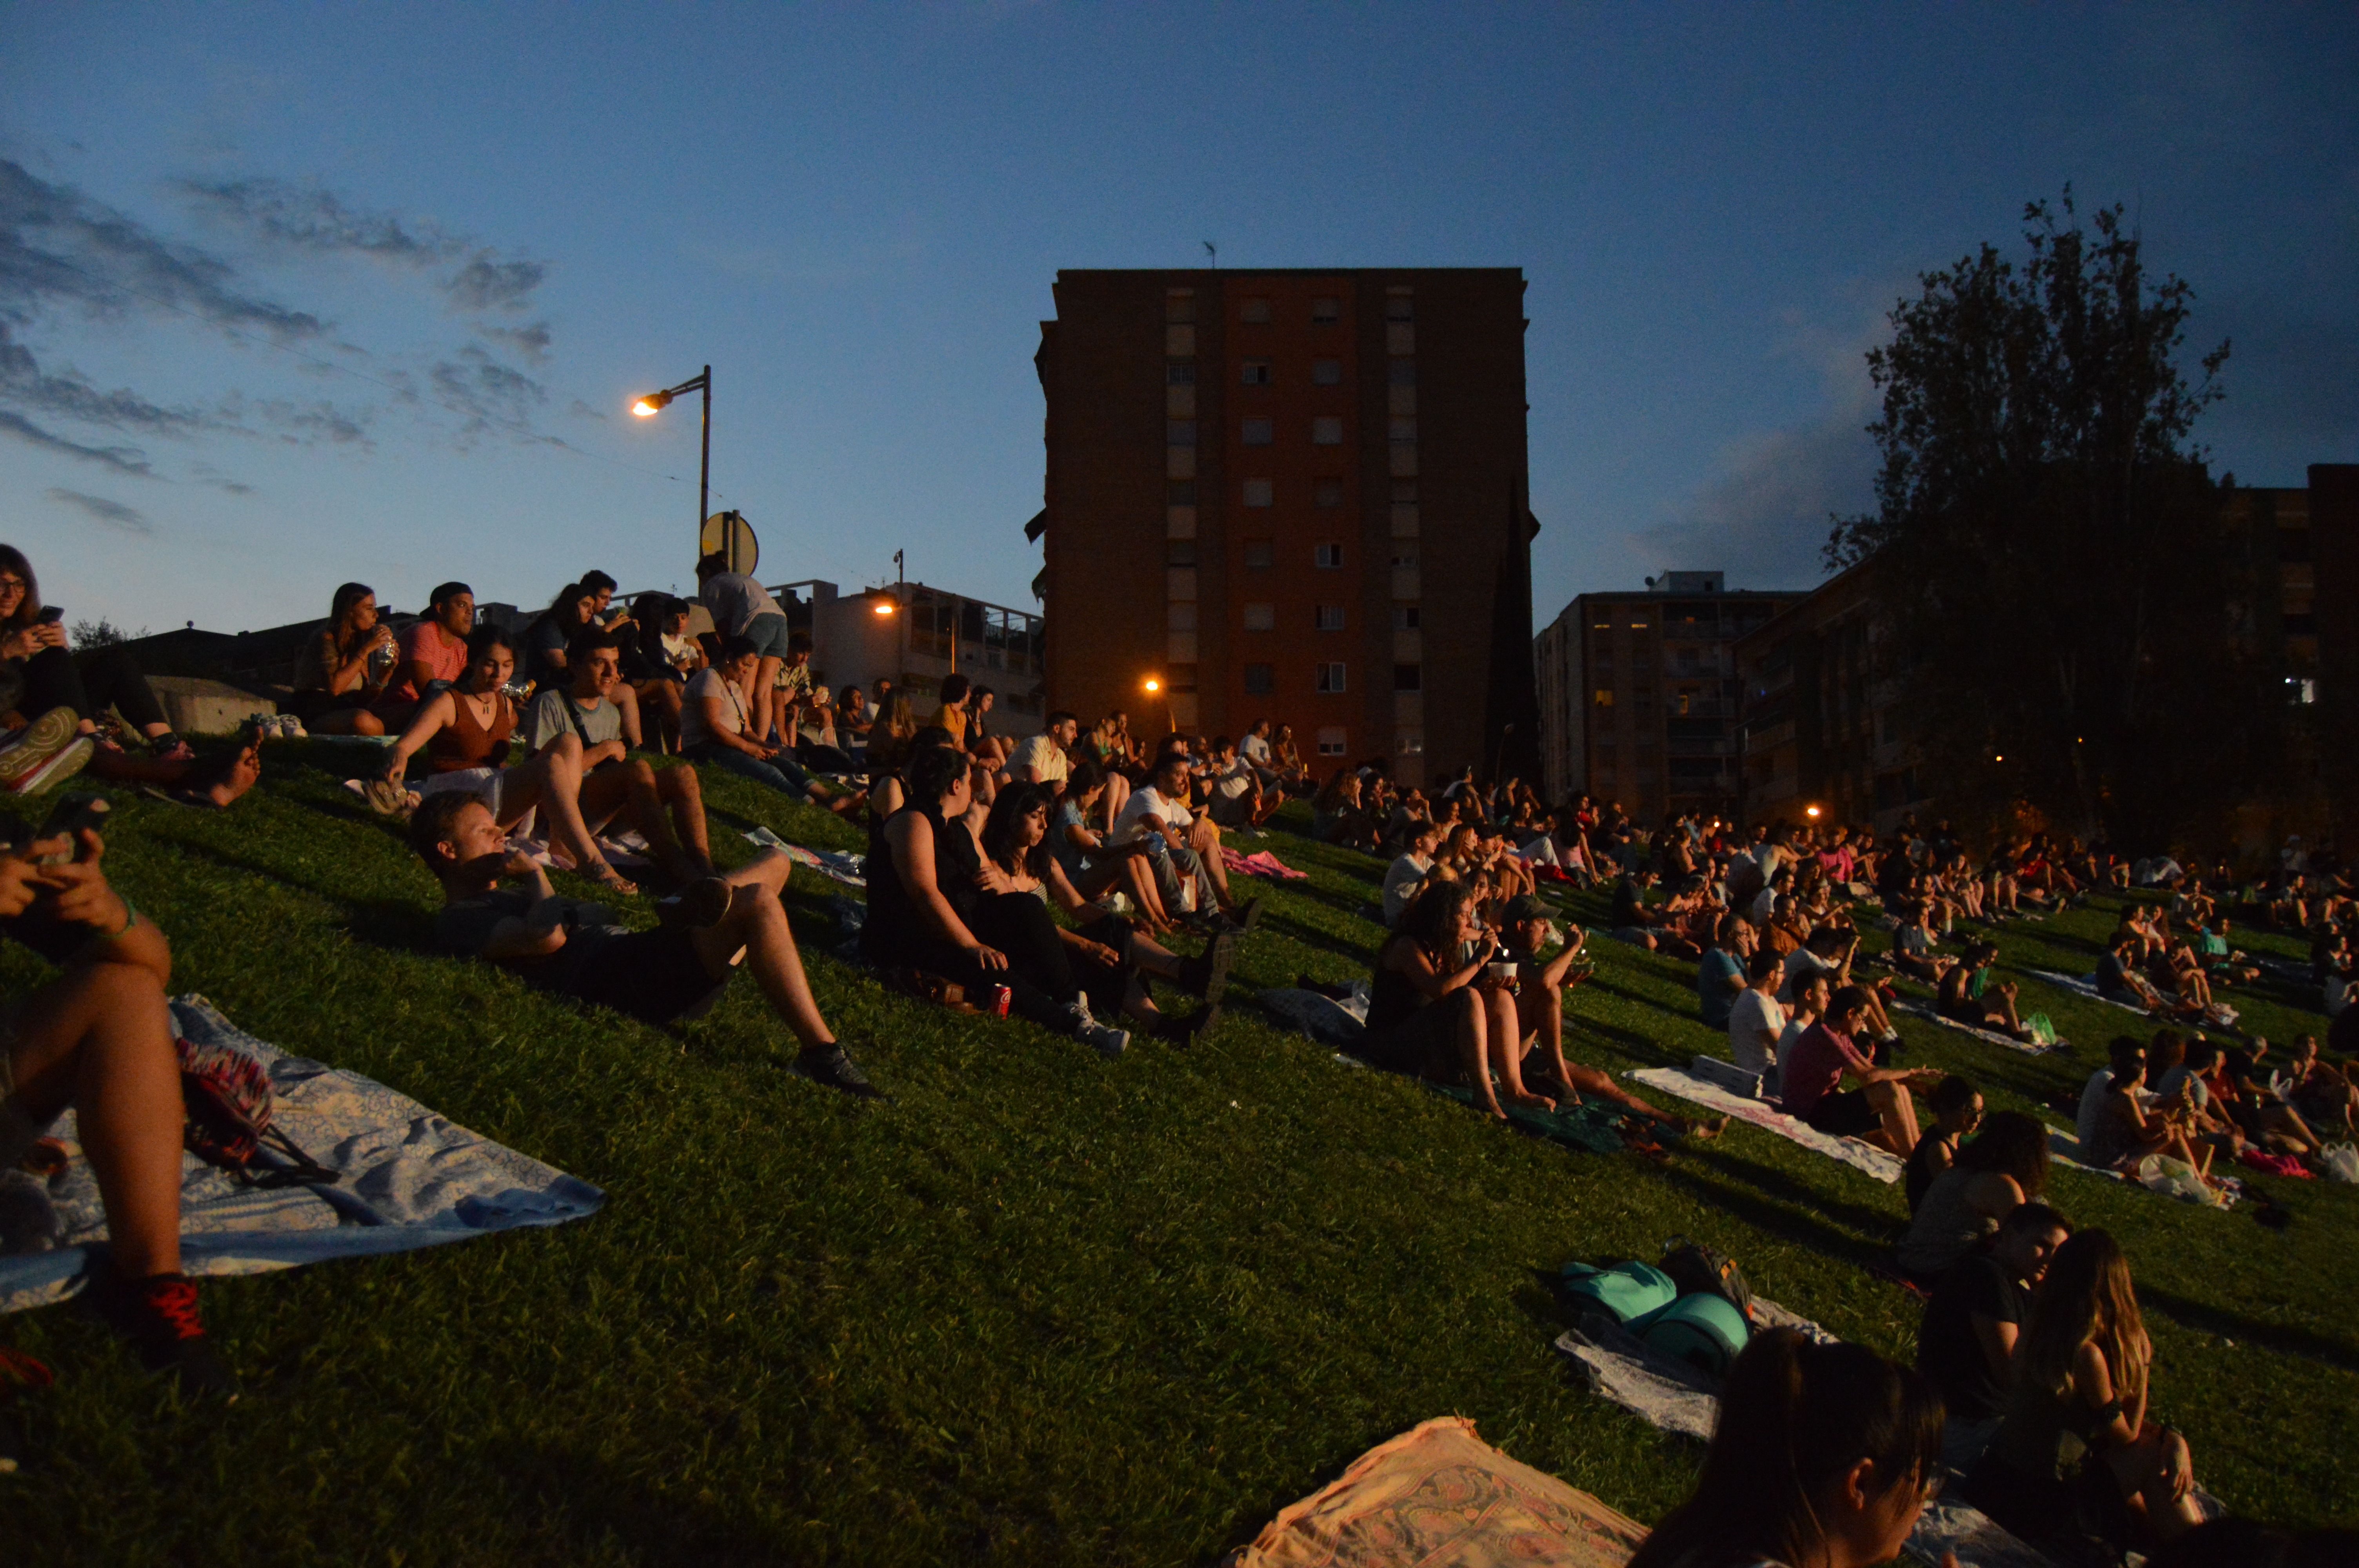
(648,408)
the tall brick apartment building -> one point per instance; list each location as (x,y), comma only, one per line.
(1298,495)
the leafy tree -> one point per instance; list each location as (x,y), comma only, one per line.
(2072,614)
(100,634)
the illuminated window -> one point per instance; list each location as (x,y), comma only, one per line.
(1602,698)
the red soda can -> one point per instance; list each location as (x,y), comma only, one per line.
(995,1000)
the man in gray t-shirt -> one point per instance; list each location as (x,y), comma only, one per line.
(667,807)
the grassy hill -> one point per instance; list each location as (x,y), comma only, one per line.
(1040,1308)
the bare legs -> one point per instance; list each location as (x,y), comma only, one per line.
(756,922)
(1897,1110)
(667,807)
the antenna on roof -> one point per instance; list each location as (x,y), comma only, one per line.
(1213,251)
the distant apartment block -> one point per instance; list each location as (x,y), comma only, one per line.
(1298,495)
(1639,693)
(1824,724)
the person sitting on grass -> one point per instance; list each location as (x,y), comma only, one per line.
(1237,797)
(1527,930)
(341,675)
(1957,1108)
(2123,1124)
(1191,843)
(1758,1021)
(1094,867)
(657,658)
(1965,1345)
(716,729)
(1720,973)
(1338,815)
(1432,1016)
(33,644)
(1879,1111)
(931,909)
(97,1040)
(1966,996)
(1823,1456)
(667,807)
(431,655)
(1406,876)
(2003,1164)
(2258,1104)
(2119,978)
(1108,955)
(1832,950)
(2322,1093)
(1041,759)
(552,634)
(1914,945)
(580,950)
(2174,1060)
(1633,921)
(2075,1454)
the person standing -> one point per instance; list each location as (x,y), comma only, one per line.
(741,606)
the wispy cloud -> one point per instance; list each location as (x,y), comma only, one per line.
(485,283)
(314,220)
(122,459)
(100,509)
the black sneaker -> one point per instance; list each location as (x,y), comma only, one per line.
(829,1065)
(1246,919)
(1207,974)
(1187,1030)
(158,1316)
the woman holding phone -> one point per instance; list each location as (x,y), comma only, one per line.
(33,644)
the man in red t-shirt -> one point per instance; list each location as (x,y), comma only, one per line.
(435,649)
(1879,1111)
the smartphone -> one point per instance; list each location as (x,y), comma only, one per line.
(50,616)
(70,814)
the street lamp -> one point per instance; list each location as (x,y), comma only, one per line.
(654,402)
(1154,687)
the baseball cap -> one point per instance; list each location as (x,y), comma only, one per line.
(1523,906)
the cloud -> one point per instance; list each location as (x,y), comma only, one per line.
(98,508)
(531,341)
(492,395)
(582,410)
(72,396)
(485,283)
(315,219)
(122,459)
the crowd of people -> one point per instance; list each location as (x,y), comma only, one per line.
(1059,876)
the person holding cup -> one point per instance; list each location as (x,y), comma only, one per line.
(1434,1010)
(343,669)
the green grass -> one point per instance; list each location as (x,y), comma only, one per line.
(1040,1309)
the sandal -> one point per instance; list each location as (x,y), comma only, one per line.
(612,881)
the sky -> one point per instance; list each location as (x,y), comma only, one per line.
(294,294)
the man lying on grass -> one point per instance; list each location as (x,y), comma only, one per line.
(580,950)
(98,1039)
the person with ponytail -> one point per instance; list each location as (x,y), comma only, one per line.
(2077,1453)
(1823,1458)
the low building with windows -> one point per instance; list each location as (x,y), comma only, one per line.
(1296,495)
(1639,693)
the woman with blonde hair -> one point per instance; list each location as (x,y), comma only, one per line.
(2076,1451)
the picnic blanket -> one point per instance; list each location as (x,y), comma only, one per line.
(1322,1019)
(1438,1494)
(1675,1396)
(410,1179)
(2064,1149)
(849,869)
(1859,1156)
(1991,1036)
(1260,863)
(2220,1014)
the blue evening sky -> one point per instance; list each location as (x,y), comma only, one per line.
(293,295)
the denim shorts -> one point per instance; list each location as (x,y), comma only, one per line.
(768,630)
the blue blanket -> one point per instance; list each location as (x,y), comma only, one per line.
(410,1179)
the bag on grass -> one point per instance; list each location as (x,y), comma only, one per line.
(226,1096)
(1626,1293)
(1701,1329)
(1698,1269)
(2043,1032)
(2341,1161)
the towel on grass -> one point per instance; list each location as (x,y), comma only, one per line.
(1992,1036)
(410,1179)
(1675,1396)
(1591,1129)
(1322,1019)
(1261,864)
(2221,1015)
(2064,1149)
(1438,1494)
(1859,1156)
(849,869)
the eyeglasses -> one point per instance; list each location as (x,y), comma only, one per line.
(12,584)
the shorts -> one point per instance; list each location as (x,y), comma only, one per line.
(18,1131)
(653,976)
(1842,1113)
(487,784)
(768,632)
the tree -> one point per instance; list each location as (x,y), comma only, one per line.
(2074,615)
(101,633)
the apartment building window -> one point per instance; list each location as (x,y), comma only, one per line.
(1329,674)
(1412,742)
(1326,373)
(1260,679)
(1601,697)
(1408,678)
(1326,312)
(1327,492)
(1179,552)
(1254,311)
(1401,373)
(1327,557)
(1403,560)
(1180,372)
(1400,306)
(1257,432)
(1261,618)
(1330,617)
(1405,617)
(1259,554)
(1180,432)
(1404,432)
(1179,493)
(1180,305)
(1259,492)
(1256,372)
(1404,492)
(1327,430)
(1331,740)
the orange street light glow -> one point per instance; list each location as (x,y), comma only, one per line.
(884,607)
(642,408)
(1153,685)
(1810,811)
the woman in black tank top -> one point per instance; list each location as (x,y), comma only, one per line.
(1430,1017)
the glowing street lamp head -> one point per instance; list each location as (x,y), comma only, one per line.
(1153,686)
(883,607)
(646,407)
(1812,811)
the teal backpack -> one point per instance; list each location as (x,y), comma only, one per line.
(1700,1329)
(1626,1293)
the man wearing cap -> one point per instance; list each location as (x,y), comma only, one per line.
(433,654)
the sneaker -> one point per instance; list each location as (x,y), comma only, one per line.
(829,1065)
(1108,1040)
(1207,974)
(387,798)
(1187,1030)
(25,752)
(158,1316)
(57,769)
(290,728)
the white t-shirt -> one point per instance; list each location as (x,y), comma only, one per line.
(1042,755)
(1764,905)
(1255,750)
(1231,782)
(703,684)
(1754,1016)
(2092,1109)
(1800,964)
(1403,878)
(1794,1029)
(735,600)
(1147,801)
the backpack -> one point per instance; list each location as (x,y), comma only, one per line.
(226,1096)
(1625,1292)
(1700,1329)
(1695,1268)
